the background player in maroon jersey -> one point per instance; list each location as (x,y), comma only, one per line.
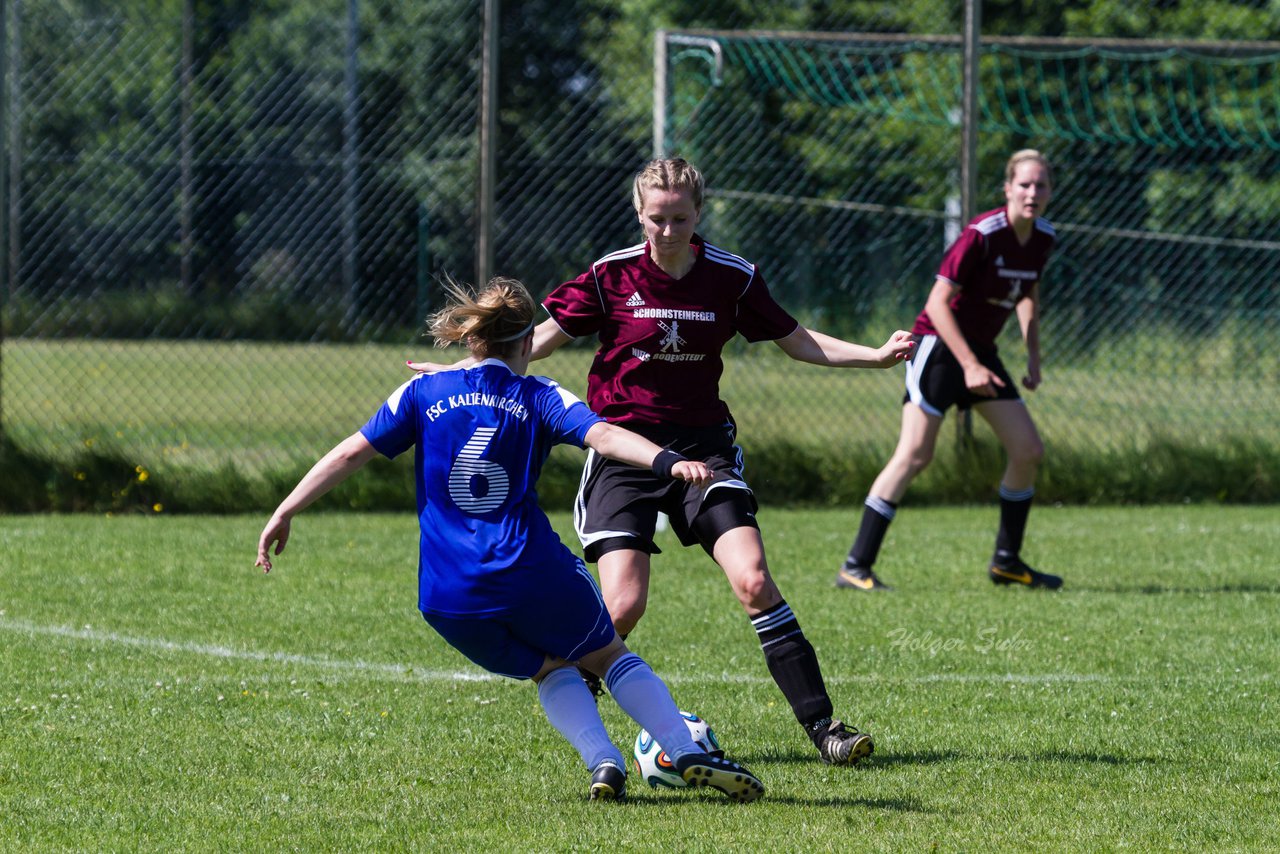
(992,270)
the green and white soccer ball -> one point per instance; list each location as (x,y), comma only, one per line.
(652,763)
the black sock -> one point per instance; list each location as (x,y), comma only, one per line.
(793,663)
(1014,507)
(876,517)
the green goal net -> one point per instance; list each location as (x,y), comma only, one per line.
(833,161)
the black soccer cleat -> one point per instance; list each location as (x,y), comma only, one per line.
(594,684)
(1020,574)
(842,745)
(608,782)
(859,578)
(703,769)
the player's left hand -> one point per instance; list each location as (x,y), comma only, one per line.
(277,533)
(436,367)
(896,349)
(693,471)
(1032,380)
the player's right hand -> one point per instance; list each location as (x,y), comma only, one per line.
(693,471)
(897,348)
(980,380)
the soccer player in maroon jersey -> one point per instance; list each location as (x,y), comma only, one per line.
(662,312)
(992,270)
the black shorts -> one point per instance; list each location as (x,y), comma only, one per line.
(618,504)
(935,380)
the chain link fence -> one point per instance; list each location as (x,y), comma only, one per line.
(837,159)
(224,223)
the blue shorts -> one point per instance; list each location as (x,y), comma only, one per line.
(565,618)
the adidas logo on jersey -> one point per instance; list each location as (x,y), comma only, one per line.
(999,260)
(635,301)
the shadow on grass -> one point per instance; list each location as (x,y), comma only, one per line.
(1163,589)
(676,797)
(1082,758)
(885,760)
(934,758)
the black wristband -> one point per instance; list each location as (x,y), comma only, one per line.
(665,461)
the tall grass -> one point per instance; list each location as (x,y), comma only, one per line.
(221,427)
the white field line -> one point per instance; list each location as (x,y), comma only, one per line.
(413,673)
(397,672)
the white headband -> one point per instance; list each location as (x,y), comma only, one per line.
(520,334)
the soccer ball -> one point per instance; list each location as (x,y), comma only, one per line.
(652,763)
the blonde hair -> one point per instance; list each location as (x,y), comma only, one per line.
(491,322)
(1023,156)
(671,174)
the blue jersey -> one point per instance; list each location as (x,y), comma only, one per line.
(481,437)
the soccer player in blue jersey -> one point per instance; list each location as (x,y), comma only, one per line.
(992,270)
(494,580)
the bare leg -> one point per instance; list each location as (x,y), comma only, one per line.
(740,553)
(1017,432)
(1013,426)
(624,581)
(916,443)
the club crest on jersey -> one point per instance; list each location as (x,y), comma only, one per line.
(1015,294)
(999,260)
(634,301)
(671,341)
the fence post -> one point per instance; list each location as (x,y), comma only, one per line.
(424,261)
(488,142)
(8,173)
(4,187)
(13,144)
(660,93)
(350,169)
(969,154)
(186,147)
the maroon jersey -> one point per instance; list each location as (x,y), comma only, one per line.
(660,338)
(992,271)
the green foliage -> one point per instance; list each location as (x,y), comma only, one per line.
(1243,20)
(162,694)
(782,473)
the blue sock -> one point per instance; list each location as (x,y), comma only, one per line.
(572,710)
(641,694)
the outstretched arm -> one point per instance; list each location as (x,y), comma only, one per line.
(808,345)
(332,469)
(436,367)
(547,338)
(621,444)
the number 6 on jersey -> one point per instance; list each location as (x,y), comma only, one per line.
(475,485)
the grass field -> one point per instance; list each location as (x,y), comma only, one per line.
(161,694)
